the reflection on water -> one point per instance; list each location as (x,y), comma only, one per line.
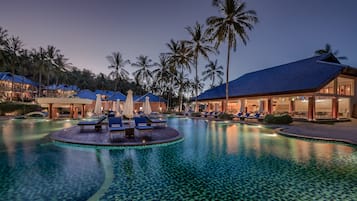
(254,140)
(216,161)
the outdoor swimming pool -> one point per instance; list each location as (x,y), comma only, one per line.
(221,161)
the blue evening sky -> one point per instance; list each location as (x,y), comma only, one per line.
(86,31)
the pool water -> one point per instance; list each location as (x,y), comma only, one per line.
(215,161)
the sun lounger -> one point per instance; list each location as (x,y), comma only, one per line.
(141,124)
(115,126)
(156,122)
(97,123)
(216,114)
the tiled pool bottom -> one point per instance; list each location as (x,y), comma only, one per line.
(216,161)
(225,178)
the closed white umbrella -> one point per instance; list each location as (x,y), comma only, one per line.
(98,105)
(146,106)
(117,107)
(129,105)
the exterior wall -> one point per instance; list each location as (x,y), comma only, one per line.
(155,106)
(353,103)
(21,91)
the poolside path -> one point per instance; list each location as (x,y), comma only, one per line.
(341,131)
(75,135)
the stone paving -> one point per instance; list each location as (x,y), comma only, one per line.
(89,136)
(341,131)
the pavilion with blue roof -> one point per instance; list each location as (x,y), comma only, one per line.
(157,103)
(319,87)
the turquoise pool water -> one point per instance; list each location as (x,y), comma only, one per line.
(215,161)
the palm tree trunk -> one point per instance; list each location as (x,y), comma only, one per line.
(40,82)
(196,87)
(213,79)
(180,91)
(227,75)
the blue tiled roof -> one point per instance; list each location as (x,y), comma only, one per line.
(117,95)
(104,92)
(63,87)
(301,76)
(88,94)
(17,78)
(152,98)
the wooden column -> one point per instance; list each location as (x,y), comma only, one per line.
(269,106)
(83,111)
(71,111)
(292,106)
(335,108)
(223,105)
(50,110)
(75,114)
(311,109)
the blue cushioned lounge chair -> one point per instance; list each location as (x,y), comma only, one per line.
(115,126)
(96,123)
(156,122)
(142,124)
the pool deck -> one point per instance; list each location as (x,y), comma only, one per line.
(89,136)
(340,132)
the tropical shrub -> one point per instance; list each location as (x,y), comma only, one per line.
(225,116)
(17,108)
(179,113)
(278,119)
(195,114)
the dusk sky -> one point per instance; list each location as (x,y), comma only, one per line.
(87,31)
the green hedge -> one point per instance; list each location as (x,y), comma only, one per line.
(195,114)
(278,119)
(18,108)
(225,116)
(179,113)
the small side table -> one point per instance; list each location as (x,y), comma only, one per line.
(129,132)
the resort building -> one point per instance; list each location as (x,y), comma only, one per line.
(16,87)
(61,90)
(315,88)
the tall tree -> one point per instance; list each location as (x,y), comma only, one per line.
(180,58)
(13,48)
(40,59)
(328,49)
(117,63)
(144,75)
(60,68)
(213,72)
(3,41)
(198,45)
(51,54)
(234,21)
(163,76)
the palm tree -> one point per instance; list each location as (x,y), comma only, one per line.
(52,53)
(143,74)
(180,57)
(61,67)
(198,46)
(41,61)
(117,63)
(13,48)
(163,77)
(235,21)
(3,40)
(328,49)
(212,72)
